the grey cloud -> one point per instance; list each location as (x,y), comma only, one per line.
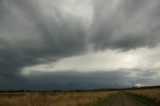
(72,80)
(126,24)
(28,37)
(33,33)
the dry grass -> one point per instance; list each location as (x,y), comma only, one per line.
(54,99)
(151,93)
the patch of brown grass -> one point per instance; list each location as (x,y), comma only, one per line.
(53,99)
(151,93)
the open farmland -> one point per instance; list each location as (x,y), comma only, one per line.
(152,93)
(148,96)
(54,99)
(121,97)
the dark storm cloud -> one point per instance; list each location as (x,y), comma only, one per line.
(34,32)
(67,81)
(28,37)
(80,80)
(125,24)
(72,80)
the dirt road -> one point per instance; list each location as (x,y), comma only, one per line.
(122,99)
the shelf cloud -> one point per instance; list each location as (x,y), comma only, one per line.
(72,44)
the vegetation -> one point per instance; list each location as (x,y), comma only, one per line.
(104,101)
(145,100)
(150,97)
(55,99)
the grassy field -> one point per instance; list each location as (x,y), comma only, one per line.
(55,99)
(152,93)
(147,96)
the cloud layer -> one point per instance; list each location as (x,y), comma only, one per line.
(37,32)
(72,80)
(125,24)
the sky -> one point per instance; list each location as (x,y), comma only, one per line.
(79,44)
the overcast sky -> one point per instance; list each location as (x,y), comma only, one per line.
(79,44)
